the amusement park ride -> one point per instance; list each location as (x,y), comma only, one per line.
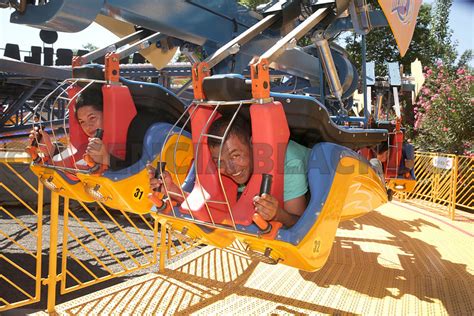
(305,101)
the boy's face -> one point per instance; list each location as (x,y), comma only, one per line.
(90,119)
(236,160)
(382,156)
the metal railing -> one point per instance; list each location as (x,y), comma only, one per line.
(94,243)
(21,233)
(443,181)
(108,239)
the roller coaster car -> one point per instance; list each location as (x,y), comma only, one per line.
(136,122)
(342,184)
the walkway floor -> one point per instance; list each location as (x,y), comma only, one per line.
(397,260)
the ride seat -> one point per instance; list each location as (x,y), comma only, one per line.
(119,110)
(147,102)
(153,143)
(269,139)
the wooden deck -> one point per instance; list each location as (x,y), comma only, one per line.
(397,260)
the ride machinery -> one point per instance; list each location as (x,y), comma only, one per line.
(245,63)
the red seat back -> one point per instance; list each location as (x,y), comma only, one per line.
(77,136)
(395,143)
(119,110)
(366,152)
(270,136)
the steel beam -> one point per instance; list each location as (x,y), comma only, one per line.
(19,103)
(32,70)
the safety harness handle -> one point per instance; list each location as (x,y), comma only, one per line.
(33,149)
(265,188)
(95,168)
(156,197)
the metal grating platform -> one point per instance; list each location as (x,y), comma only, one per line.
(397,260)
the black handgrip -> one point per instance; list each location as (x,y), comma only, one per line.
(99,133)
(160,167)
(93,166)
(266,185)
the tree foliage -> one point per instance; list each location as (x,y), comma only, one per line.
(90,47)
(382,47)
(252,4)
(465,58)
(443,46)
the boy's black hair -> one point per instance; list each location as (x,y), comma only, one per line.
(91,96)
(240,127)
(381,148)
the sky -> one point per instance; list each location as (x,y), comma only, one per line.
(26,36)
(461,22)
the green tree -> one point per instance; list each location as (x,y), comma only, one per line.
(443,45)
(90,47)
(431,41)
(465,58)
(382,47)
(252,4)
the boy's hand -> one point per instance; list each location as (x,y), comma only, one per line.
(165,178)
(97,151)
(45,144)
(267,206)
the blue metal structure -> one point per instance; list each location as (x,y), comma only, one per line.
(194,22)
(322,70)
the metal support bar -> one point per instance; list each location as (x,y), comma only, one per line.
(142,44)
(329,67)
(190,54)
(14,66)
(39,240)
(18,104)
(364,80)
(454,188)
(396,102)
(163,244)
(233,46)
(53,252)
(292,37)
(377,19)
(359,13)
(184,87)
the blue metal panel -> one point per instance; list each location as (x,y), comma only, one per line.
(394,74)
(60,15)
(370,73)
(208,23)
(187,20)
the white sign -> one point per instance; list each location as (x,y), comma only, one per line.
(445,163)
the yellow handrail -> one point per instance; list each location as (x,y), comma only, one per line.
(443,180)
